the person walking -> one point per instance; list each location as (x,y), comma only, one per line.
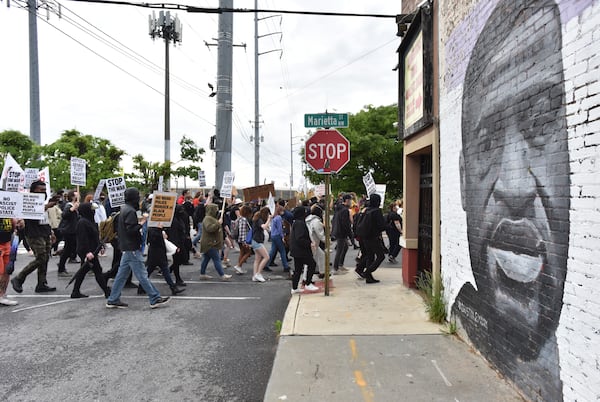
(40,238)
(243,226)
(277,234)
(7,229)
(342,230)
(393,229)
(211,243)
(157,257)
(369,230)
(88,247)
(316,229)
(301,247)
(177,235)
(260,223)
(130,242)
(67,227)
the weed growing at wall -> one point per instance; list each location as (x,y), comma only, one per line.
(434,301)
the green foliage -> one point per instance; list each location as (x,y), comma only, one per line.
(278,325)
(26,152)
(373,148)
(434,300)
(102,158)
(146,174)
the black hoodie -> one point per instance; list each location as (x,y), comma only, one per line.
(299,236)
(130,235)
(88,240)
(375,216)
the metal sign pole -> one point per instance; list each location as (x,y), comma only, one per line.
(327,235)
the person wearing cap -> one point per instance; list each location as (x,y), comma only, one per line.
(342,230)
(301,248)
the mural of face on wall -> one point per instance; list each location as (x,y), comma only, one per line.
(515,182)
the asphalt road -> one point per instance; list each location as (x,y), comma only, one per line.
(214,342)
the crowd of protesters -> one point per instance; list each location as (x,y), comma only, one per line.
(296,233)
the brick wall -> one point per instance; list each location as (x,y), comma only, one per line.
(520,188)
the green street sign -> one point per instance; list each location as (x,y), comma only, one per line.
(325,120)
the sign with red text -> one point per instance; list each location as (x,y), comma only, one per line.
(327,151)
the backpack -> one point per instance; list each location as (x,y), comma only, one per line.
(249,236)
(362,224)
(108,228)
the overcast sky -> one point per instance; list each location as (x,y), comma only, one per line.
(336,63)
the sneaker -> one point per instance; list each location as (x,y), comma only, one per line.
(239,270)
(7,302)
(294,291)
(78,295)
(65,274)
(267,269)
(204,277)
(344,269)
(74,261)
(359,274)
(116,304)
(311,287)
(160,302)
(339,271)
(17,285)
(258,278)
(225,277)
(272,264)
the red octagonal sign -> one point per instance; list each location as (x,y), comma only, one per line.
(327,151)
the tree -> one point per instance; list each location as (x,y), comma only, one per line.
(101,155)
(374,147)
(26,152)
(192,153)
(146,174)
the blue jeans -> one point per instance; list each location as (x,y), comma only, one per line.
(196,238)
(211,254)
(277,245)
(133,261)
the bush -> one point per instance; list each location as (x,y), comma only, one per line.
(434,301)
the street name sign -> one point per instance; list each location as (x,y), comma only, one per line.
(325,120)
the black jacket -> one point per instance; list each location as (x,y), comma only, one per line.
(342,227)
(300,240)
(258,233)
(86,230)
(157,253)
(68,222)
(177,231)
(375,217)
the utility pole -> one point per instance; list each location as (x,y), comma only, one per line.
(169,29)
(223,136)
(34,76)
(291,159)
(257,137)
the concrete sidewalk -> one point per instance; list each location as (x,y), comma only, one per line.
(374,343)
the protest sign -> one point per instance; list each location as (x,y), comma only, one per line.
(13,177)
(44,175)
(258,192)
(227,187)
(271,203)
(380,189)
(78,171)
(201,178)
(162,209)
(33,206)
(116,191)
(31,175)
(99,188)
(11,204)
(369,184)
(160,183)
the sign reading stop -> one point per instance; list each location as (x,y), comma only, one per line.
(327,151)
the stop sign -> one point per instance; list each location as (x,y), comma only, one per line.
(327,151)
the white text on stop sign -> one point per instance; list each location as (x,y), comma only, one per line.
(326,151)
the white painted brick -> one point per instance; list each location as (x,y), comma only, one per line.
(594,114)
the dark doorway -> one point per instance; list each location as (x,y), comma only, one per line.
(425,211)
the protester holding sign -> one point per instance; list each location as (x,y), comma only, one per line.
(40,238)
(67,227)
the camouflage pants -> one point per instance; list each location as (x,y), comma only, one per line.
(41,247)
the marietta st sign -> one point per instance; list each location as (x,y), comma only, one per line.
(325,120)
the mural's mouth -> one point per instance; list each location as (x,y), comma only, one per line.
(518,250)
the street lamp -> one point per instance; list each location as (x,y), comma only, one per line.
(169,29)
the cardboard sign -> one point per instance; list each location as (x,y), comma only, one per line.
(369,184)
(78,171)
(116,191)
(258,192)
(162,209)
(227,187)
